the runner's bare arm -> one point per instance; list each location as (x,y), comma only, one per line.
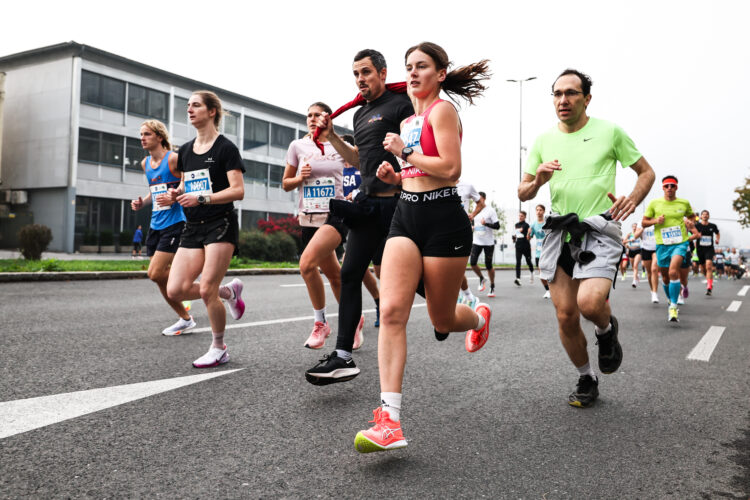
(235,191)
(530,184)
(291,180)
(623,206)
(350,154)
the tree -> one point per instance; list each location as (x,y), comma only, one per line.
(500,232)
(742,204)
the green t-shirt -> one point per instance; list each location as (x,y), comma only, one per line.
(587,158)
(673,231)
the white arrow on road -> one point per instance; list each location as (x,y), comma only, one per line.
(24,415)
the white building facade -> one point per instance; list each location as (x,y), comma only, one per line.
(71,146)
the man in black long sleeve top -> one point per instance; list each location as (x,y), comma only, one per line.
(523,247)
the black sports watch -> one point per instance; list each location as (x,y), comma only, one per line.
(203,200)
(406,152)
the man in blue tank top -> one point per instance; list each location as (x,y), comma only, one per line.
(167,221)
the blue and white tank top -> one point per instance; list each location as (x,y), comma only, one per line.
(159,180)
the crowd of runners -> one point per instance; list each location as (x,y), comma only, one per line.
(392,195)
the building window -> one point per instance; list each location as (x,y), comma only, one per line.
(103,91)
(99,147)
(281,136)
(256,133)
(147,102)
(301,133)
(134,154)
(275,176)
(256,171)
(180,110)
(230,123)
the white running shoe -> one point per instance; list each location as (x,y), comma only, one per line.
(635,282)
(654,297)
(359,336)
(182,327)
(214,357)
(680,300)
(546,295)
(482,285)
(531,278)
(236,304)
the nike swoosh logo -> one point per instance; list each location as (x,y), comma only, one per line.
(456,248)
(587,139)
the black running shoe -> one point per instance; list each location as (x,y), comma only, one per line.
(610,350)
(332,369)
(587,390)
(517,282)
(440,336)
(708,291)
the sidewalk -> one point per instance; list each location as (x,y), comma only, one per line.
(14,254)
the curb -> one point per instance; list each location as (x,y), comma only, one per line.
(120,275)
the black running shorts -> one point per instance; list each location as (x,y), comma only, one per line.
(164,240)
(435,221)
(705,253)
(221,229)
(647,254)
(335,222)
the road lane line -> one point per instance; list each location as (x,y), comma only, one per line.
(24,415)
(734,306)
(703,350)
(283,320)
(743,290)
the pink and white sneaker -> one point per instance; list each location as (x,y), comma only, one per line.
(317,338)
(214,357)
(359,336)
(236,304)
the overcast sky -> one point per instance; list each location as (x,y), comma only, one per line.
(674,74)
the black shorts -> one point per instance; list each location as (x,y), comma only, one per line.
(435,221)
(719,267)
(489,251)
(647,254)
(687,261)
(336,222)
(705,253)
(221,229)
(137,246)
(633,253)
(164,240)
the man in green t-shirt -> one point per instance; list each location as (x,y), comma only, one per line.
(578,159)
(668,215)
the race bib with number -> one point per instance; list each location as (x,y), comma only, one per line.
(635,244)
(156,190)
(317,193)
(539,245)
(198,182)
(707,241)
(411,135)
(671,235)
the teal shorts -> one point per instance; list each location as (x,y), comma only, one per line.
(664,253)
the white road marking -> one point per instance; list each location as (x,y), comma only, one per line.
(703,350)
(24,415)
(743,290)
(734,306)
(284,320)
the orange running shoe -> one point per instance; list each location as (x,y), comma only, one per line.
(475,339)
(317,338)
(384,435)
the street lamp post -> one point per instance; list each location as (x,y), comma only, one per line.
(520,128)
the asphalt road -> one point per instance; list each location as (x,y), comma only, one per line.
(491,424)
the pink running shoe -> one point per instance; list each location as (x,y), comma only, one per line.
(384,435)
(236,304)
(359,336)
(475,339)
(317,338)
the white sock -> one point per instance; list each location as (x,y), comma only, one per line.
(218,340)
(600,331)
(345,355)
(391,402)
(480,323)
(320,315)
(586,370)
(467,293)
